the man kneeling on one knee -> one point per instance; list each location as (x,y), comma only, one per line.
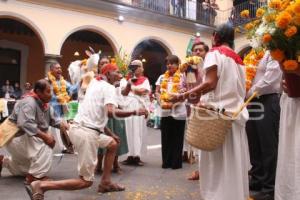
(31,150)
(87,135)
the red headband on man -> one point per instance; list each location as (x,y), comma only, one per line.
(108,68)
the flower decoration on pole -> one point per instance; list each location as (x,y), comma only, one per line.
(122,60)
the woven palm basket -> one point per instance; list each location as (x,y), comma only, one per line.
(207,129)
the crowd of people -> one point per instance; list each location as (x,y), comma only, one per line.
(111,120)
(205,10)
(9,91)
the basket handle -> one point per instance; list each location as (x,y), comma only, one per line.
(245,104)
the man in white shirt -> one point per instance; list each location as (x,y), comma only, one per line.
(262,128)
(87,135)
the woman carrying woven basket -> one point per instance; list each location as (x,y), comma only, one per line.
(224,170)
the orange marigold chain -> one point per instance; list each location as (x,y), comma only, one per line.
(164,88)
(61,93)
(251,62)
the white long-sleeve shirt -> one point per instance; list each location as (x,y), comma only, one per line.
(268,77)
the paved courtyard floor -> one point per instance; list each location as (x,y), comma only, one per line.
(149,182)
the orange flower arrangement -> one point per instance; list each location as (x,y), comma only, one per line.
(61,93)
(164,97)
(278,31)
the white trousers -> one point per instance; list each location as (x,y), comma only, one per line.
(28,155)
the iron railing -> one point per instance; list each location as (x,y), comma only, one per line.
(195,11)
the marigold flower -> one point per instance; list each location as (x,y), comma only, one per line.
(296,7)
(270,18)
(290,31)
(176,79)
(260,12)
(249,26)
(283,20)
(260,55)
(245,14)
(164,85)
(285,4)
(266,38)
(256,22)
(290,65)
(296,20)
(277,54)
(275,4)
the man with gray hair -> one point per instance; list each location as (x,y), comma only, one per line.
(31,150)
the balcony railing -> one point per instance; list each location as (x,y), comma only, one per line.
(197,12)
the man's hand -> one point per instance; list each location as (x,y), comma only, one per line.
(49,140)
(141,112)
(175,97)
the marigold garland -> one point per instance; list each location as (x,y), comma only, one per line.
(61,94)
(251,62)
(164,97)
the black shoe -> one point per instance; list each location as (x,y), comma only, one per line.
(262,196)
(138,162)
(128,161)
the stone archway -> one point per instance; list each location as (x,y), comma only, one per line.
(19,37)
(153,53)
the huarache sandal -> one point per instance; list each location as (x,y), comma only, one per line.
(35,196)
(110,188)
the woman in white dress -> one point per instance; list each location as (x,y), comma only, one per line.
(224,171)
(287,184)
(137,93)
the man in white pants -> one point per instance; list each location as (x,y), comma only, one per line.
(31,153)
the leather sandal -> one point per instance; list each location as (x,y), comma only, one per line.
(110,188)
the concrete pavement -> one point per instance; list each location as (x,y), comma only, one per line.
(149,182)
